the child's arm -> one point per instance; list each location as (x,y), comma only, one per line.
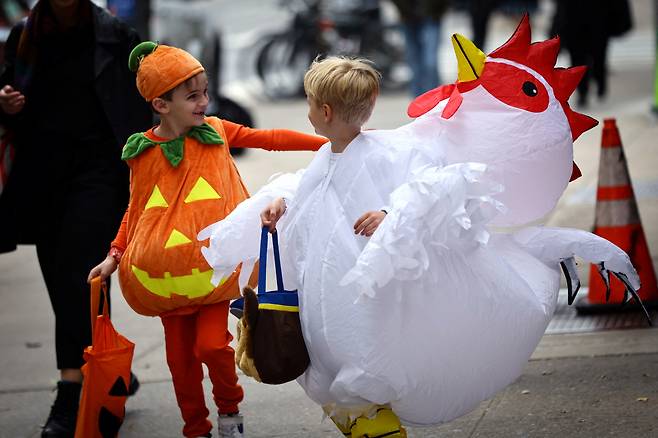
(368,223)
(121,240)
(117,247)
(271,139)
(272,213)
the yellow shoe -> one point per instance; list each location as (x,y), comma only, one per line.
(344,428)
(384,424)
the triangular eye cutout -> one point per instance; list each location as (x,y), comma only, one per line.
(108,423)
(119,388)
(156,199)
(176,238)
(202,190)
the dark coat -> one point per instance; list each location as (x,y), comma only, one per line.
(116,92)
(590,19)
(412,11)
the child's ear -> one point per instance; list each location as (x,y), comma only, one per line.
(160,105)
(328,112)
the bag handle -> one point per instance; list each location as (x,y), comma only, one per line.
(98,289)
(262,268)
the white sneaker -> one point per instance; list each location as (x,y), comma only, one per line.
(230,426)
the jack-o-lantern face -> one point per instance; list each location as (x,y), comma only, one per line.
(197,282)
(163,268)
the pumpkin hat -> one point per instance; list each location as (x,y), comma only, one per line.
(161,68)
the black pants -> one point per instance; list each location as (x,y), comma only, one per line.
(583,26)
(480,11)
(85,211)
(591,50)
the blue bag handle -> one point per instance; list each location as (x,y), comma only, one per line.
(262,268)
(279,299)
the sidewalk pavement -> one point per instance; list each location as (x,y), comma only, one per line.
(591,384)
(578,383)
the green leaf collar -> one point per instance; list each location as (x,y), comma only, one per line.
(172,149)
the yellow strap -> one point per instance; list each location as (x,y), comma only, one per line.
(281,307)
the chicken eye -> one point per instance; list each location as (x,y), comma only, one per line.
(529,89)
(524,92)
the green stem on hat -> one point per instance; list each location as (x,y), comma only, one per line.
(172,149)
(139,52)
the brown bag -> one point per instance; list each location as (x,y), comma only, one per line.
(271,346)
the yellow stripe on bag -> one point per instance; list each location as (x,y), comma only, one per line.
(281,307)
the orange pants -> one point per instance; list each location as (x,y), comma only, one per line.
(193,339)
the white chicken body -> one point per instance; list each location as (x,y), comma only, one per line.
(436,312)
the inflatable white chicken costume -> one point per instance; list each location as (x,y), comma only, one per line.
(443,305)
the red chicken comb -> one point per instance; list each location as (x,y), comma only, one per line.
(541,56)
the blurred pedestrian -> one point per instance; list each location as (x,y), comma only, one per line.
(68,188)
(421,21)
(480,12)
(584,28)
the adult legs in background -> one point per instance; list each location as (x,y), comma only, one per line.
(579,56)
(422,48)
(82,222)
(480,12)
(429,61)
(413,49)
(599,69)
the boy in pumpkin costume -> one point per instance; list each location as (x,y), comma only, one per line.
(183,179)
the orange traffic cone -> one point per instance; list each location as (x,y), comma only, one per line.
(618,220)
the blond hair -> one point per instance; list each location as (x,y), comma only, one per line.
(349,85)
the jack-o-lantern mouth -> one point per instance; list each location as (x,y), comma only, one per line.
(197,284)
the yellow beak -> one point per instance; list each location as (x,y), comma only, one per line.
(470,59)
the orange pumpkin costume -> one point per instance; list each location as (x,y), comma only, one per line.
(162,271)
(178,187)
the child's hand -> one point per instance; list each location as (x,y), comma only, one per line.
(368,223)
(272,213)
(11,101)
(104,269)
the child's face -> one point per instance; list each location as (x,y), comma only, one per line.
(189,102)
(317,116)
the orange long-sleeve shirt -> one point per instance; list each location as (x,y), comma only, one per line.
(239,136)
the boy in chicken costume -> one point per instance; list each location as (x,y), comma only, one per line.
(182,179)
(444,304)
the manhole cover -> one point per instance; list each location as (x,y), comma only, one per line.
(567,320)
